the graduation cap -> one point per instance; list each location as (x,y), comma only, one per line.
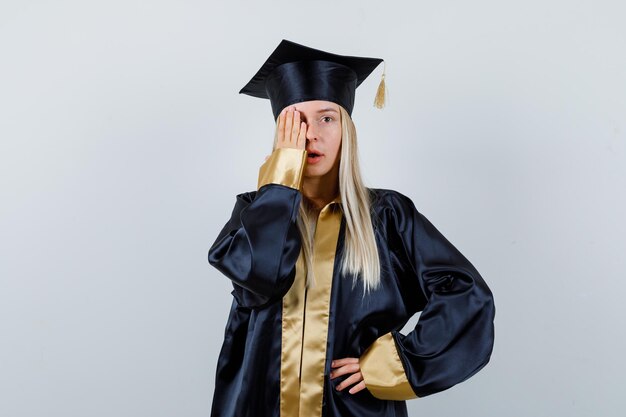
(294,73)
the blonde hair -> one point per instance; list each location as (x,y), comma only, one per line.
(360,253)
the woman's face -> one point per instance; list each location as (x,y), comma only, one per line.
(323,136)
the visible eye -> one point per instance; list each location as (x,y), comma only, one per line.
(327,117)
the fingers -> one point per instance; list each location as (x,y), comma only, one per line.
(343,361)
(301,143)
(345,369)
(288,125)
(344,366)
(358,387)
(291,130)
(280,127)
(348,366)
(295,128)
(352,379)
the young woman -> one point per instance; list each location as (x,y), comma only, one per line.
(326,271)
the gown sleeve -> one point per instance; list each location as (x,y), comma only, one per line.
(454,336)
(258,247)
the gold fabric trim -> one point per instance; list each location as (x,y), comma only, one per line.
(383,372)
(305,323)
(284,166)
(291,348)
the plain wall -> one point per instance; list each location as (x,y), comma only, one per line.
(123,142)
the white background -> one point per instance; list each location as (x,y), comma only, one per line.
(123,143)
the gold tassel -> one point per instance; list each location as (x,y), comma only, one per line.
(381,93)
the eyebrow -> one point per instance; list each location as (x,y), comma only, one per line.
(326,109)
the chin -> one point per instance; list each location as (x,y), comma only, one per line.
(315,171)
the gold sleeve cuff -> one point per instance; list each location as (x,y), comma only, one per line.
(284,166)
(383,372)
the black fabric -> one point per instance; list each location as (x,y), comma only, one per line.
(294,73)
(420,271)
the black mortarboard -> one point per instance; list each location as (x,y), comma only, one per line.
(294,73)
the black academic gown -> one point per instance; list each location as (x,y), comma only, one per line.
(280,339)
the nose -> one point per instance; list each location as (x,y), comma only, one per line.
(310,133)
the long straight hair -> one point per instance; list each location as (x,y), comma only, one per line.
(360,255)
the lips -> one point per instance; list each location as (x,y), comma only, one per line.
(313,157)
